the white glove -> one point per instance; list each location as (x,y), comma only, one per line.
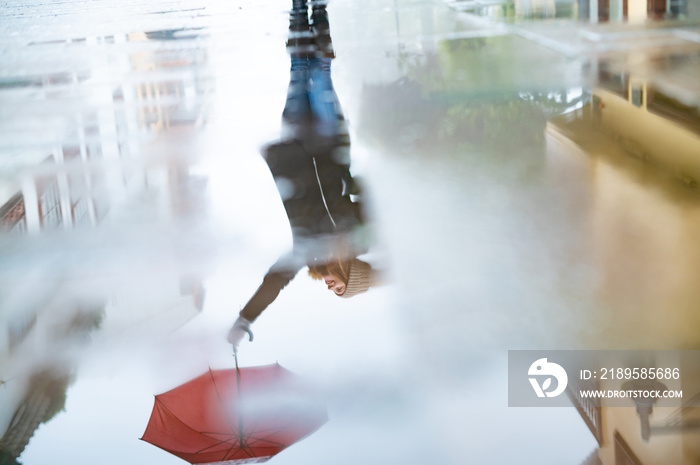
(238,331)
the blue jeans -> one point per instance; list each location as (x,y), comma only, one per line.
(311,98)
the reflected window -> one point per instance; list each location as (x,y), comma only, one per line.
(12,217)
(617,83)
(637,96)
(672,109)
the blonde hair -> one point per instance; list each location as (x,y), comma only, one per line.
(338,261)
(340,268)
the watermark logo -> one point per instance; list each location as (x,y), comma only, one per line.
(542,369)
(623,378)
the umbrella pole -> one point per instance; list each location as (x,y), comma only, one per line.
(241,438)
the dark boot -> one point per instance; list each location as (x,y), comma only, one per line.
(321,30)
(300,42)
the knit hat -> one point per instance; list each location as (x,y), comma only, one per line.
(359,279)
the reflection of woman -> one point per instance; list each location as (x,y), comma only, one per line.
(311,167)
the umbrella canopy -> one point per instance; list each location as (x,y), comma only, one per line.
(234,416)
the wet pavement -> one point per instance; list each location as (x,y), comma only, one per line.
(529,176)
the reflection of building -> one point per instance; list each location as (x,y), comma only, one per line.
(633,168)
(35,370)
(100,165)
(156,309)
(167,103)
(631,155)
(45,398)
(49,200)
(530,9)
(544,8)
(592,10)
(649,124)
(645,433)
(98,160)
(635,10)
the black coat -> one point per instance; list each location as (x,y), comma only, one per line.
(315,184)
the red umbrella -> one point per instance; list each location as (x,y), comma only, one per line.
(234,416)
